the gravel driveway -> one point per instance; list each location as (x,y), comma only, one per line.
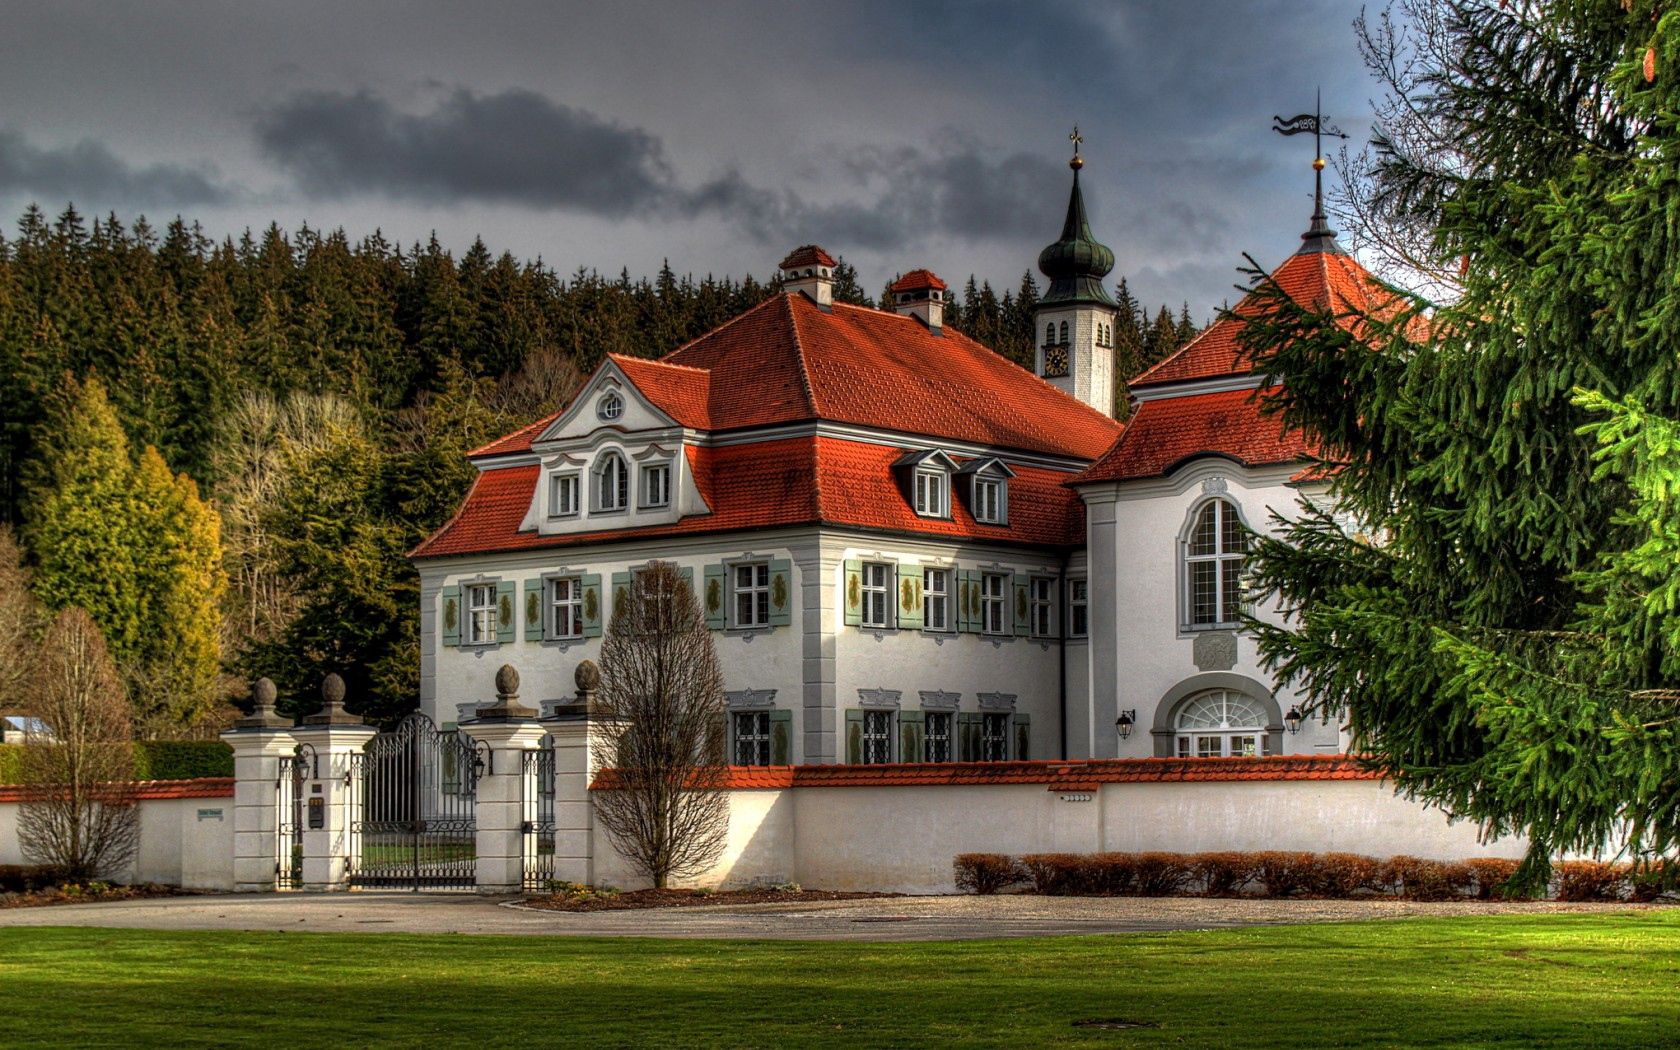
(878,919)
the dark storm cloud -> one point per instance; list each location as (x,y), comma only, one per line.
(522,148)
(89,172)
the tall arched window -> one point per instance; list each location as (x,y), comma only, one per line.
(1050,333)
(1213,563)
(1220,723)
(612,483)
(1064,337)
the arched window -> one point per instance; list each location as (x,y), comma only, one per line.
(1220,723)
(612,483)
(1050,333)
(1064,337)
(1213,563)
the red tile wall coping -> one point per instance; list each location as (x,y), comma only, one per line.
(1084,775)
(145,790)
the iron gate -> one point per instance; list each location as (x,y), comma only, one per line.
(296,769)
(413,795)
(537,794)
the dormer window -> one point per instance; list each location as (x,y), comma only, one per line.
(610,408)
(562,495)
(985,485)
(612,483)
(933,493)
(988,500)
(655,488)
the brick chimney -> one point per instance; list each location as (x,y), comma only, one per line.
(920,294)
(809,269)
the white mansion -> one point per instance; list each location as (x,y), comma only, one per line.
(911,550)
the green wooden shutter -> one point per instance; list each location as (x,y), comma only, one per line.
(591,587)
(969,725)
(507,592)
(970,601)
(1023,733)
(909,596)
(1021,588)
(852,585)
(781,592)
(534,610)
(781,738)
(910,736)
(712,602)
(620,589)
(854,737)
(452,616)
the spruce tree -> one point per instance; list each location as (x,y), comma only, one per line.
(1490,611)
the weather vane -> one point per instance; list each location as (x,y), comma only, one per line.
(1301,124)
(1076,138)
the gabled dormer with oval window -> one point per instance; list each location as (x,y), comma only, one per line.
(616,459)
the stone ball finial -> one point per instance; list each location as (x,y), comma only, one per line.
(587,676)
(263,693)
(507,680)
(332,690)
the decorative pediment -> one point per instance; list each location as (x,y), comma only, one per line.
(609,401)
(986,467)
(879,698)
(932,457)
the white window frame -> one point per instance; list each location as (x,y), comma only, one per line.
(1245,738)
(878,732)
(610,408)
(755,590)
(1226,566)
(654,476)
(558,485)
(612,463)
(936,598)
(565,607)
(1079,607)
(933,493)
(1041,606)
(994,608)
(994,747)
(990,499)
(751,730)
(939,747)
(877,594)
(483,619)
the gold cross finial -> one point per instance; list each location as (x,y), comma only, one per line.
(1076,138)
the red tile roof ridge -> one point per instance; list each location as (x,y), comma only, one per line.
(804,372)
(492,447)
(154,790)
(660,362)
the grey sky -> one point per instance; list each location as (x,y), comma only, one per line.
(718,134)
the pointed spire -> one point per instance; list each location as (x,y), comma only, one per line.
(1076,264)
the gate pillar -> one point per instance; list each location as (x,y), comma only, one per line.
(259,742)
(335,734)
(507,729)
(574,768)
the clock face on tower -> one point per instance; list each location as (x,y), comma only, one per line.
(1055,361)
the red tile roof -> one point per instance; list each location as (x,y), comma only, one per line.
(771,484)
(789,361)
(807,255)
(204,787)
(1324,280)
(1056,776)
(1165,432)
(916,280)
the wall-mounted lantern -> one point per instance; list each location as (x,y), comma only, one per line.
(1293,719)
(1123,724)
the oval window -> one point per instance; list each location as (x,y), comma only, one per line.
(610,407)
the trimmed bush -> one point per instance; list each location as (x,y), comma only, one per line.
(1427,880)
(1344,875)
(1159,874)
(987,872)
(1588,880)
(27,878)
(181,759)
(1223,873)
(1490,875)
(1056,874)
(1648,882)
(1282,873)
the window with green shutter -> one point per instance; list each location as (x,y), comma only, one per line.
(451,615)
(507,593)
(909,596)
(591,583)
(851,587)
(781,738)
(781,592)
(533,610)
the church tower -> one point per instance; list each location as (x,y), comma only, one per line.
(1074,323)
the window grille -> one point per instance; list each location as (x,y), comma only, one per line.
(752,738)
(752,595)
(1213,560)
(877,737)
(936,599)
(481,614)
(936,738)
(877,594)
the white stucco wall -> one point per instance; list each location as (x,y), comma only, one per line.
(904,839)
(184,842)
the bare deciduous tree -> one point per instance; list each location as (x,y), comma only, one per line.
(20,622)
(80,814)
(660,730)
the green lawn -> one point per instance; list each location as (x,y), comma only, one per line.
(1585,980)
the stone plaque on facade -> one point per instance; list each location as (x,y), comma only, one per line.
(1215,651)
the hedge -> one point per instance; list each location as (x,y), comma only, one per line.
(1278,873)
(153,760)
